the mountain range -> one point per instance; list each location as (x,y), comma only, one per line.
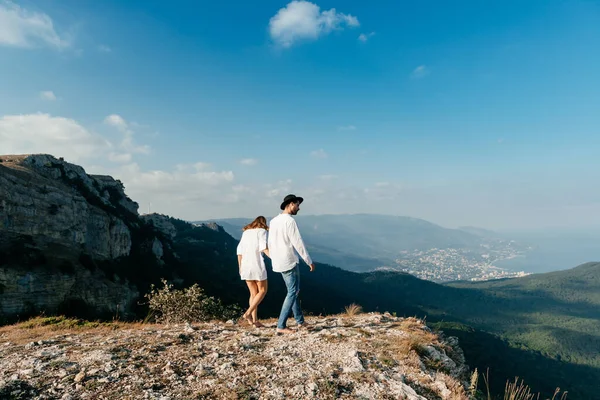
(364,242)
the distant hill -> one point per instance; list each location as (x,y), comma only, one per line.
(556,313)
(480,232)
(363,242)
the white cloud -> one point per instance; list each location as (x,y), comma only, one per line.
(120,158)
(318,153)
(23,28)
(365,37)
(183,192)
(249,161)
(197,166)
(420,72)
(42,133)
(117,121)
(303,20)
(280,189)
(104,48)
(127,144)
(48,95)
(347,128)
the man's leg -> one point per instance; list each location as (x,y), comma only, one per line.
(291,283)
(296,309)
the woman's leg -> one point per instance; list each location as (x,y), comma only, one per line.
(262,291)
(253,288)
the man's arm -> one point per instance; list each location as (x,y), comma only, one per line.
(298,243)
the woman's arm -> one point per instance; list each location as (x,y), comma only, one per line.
(239,261)
(266,251)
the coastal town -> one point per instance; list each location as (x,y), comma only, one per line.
(444,265)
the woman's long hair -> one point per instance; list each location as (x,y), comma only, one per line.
(259,222)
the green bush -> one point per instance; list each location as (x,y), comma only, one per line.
(187,305)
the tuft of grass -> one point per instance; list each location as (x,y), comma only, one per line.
(517,390)
(473,384)
(387,360)
(557,392)
(353,309)
(58,323)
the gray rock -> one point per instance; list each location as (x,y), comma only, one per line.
(67,212)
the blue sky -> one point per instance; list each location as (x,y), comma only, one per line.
(464,113)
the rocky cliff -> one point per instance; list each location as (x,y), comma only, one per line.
(59,203)
(73,243)
(57,224)
(365,356)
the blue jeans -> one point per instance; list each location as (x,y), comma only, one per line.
(291,302)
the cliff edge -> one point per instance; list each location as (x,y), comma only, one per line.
(365,356)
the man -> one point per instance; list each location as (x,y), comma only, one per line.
(284,238)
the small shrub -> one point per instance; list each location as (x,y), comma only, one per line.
(188,305)
(353,309)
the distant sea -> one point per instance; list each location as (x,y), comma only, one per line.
(554,251)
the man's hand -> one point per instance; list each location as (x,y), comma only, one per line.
(312,267)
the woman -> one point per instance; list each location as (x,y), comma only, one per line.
(252,265)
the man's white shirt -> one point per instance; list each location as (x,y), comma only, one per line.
(284,238)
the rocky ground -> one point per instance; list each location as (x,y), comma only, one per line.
(365,356)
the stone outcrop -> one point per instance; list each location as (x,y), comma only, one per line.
(58,202)
(56,223)
(162,223)
(43,290)
(368,356)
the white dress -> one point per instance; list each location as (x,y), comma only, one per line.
(251,245)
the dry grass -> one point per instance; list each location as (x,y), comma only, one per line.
(40,328)
(353,309)
(516,390)
(519,391)
(402,346)
(562,396)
